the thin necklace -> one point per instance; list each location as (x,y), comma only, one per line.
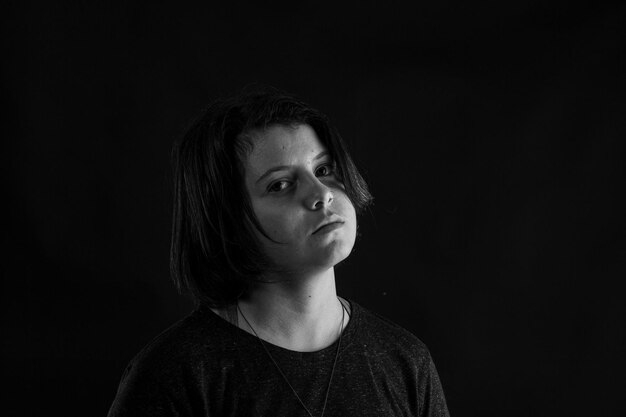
(343,309)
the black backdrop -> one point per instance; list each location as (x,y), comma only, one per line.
(492,136)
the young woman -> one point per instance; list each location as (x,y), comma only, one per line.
(266,204)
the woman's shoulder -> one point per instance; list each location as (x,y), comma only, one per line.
(181,356)
(198,335)
(380,330)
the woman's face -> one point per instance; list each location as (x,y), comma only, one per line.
(290,178)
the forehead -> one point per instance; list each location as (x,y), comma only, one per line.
(283,145)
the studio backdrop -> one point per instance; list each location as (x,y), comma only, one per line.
(491,136)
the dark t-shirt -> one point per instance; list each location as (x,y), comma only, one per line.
(205,366)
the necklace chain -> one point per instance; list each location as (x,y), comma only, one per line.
(332,372)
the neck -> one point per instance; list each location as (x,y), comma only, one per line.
(297,313)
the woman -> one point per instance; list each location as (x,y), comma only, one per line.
(266,200)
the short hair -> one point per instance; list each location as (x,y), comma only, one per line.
(214,252)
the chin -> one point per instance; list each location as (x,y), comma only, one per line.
(336,251)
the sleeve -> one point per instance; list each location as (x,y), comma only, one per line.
(432,400)
(143,392)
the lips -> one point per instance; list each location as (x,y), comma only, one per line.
(329,225)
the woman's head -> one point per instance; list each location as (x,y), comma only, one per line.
(230,225)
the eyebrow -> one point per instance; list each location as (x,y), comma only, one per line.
(286,167)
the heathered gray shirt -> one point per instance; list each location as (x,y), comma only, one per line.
(205,366)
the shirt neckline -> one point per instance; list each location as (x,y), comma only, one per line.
(243,336)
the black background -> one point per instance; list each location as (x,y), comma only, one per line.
(491,134)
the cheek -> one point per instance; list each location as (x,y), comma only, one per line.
(273,226)
(276,221)
(347,209)
(344,207)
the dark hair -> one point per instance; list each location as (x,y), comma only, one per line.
(215,253)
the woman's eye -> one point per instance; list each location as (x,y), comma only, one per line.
(325,170)
(278,186)
(322,171)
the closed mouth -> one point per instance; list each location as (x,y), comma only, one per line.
(327,224)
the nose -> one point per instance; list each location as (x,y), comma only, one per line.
(319,196)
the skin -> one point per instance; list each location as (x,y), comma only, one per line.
(298,309)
